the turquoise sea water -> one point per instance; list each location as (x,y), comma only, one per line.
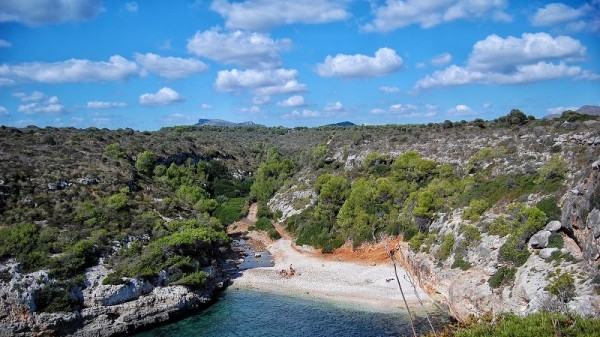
(242,312)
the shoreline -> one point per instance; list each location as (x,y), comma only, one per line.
(371,287)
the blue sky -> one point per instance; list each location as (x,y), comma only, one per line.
(153,63)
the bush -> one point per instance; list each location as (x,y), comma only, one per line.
(475,209)
(459,262)
(550,208)
(446,247)
(274,234)
(563,287)
(114,151)
(500,227)
(230,211)
(145,162)
(555,241)
(503,276)
(193,280)
(416,241)
(53,299)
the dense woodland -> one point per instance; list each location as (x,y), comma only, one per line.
(156,204)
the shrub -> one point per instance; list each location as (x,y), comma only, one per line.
(555,241)
(114,151)
(514,251)
(459,262)
(416,241)
(53,299)
(475,209)
(274,234)
(503,276)
(145,162)
(230,211)
(550,208)
(446,247)
(193,280)
(562,286)
(500,227)
(264,224)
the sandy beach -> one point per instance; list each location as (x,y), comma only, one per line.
(368,284)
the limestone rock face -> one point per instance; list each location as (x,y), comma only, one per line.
(553,226)
(109,310)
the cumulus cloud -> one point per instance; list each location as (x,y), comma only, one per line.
(41,12)
(251,110)
(163,97)
(306,113)
(407,110)
(293,101)
(385,62)
(170,67)
(33,97)
(441,60)
(5,44)
(261,100)
(396,14)
(105,105)
(560,109)
(205,106)
(131,7)
(334,107)
(260,82)
(461,110)
(530,58)
(70,71)
(3,111)
(389,90)
(250,50)
(42,106)
(556,14)
(487,105)
(263,14)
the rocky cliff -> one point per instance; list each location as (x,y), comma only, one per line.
(470,278)
(108,310)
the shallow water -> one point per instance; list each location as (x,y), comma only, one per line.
(243,312)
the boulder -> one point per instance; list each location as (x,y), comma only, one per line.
(553,226)
(547,252)
(539,240)
(593,222)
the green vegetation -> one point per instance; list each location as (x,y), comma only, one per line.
(504,275)
(562,286)
(533,325)
(231,210)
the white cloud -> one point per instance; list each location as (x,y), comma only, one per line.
(407,110)
(251,110)
(260,82)
(293,101)
(496,53)
(39,106)
(170,67)
(205,106)
(3,111)
(33,97)
(180,118)
(334,107)
(429,13)
(514,60)
(42,12)
(385,62)
(261,100)
(441,60)
(557,13)
(461,110)
(105,105)
(251,50)
(70,71)
(487,105)
(131,7)
(389,90)
(263,14)
(560,109)
(306,113)
(162,97)
(5,44)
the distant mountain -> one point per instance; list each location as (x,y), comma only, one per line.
(220,122)
(345,123)
(589,110)
(592,110)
